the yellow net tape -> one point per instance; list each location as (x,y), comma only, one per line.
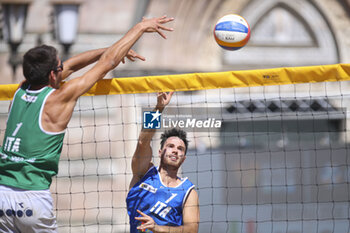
(200,81)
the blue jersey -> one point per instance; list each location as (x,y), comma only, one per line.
(164,204)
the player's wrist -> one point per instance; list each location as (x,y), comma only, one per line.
(160,108)
(142,26)
(157,229)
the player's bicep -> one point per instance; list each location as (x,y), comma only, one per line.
(75,88)
(191,212)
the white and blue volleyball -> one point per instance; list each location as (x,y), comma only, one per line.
(232,32)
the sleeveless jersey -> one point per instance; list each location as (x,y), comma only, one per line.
(29,155)
(164,204)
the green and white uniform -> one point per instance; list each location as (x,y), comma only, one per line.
(28,160)
(29,155)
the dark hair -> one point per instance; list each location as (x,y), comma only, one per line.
(38,63)
(174,132)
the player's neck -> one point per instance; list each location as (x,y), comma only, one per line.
(36,87)
(169,176)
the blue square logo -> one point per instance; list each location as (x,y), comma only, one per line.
(152,120)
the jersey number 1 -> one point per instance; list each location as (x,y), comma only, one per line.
(17,129)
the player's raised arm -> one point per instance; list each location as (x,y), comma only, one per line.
(60,104)
(112,56)
(84,59)
(142,158)
(80,61)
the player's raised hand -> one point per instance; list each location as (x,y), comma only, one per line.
(163,99)
(156,25)
(132,55)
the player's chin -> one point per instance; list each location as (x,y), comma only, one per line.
(173,164)
(177,163)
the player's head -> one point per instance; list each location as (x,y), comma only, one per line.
(40,63)
(173,147)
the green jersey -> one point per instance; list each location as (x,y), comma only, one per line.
(29,155)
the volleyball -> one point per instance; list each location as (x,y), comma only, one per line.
(232,32)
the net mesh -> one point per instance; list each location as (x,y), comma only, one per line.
(278,162)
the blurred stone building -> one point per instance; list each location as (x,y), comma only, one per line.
(284,33)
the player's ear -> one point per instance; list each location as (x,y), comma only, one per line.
(52,77)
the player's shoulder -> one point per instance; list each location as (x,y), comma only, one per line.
(186,182)
(63,94)
(152,170)
(192,197)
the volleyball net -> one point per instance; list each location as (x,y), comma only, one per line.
(268,149)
